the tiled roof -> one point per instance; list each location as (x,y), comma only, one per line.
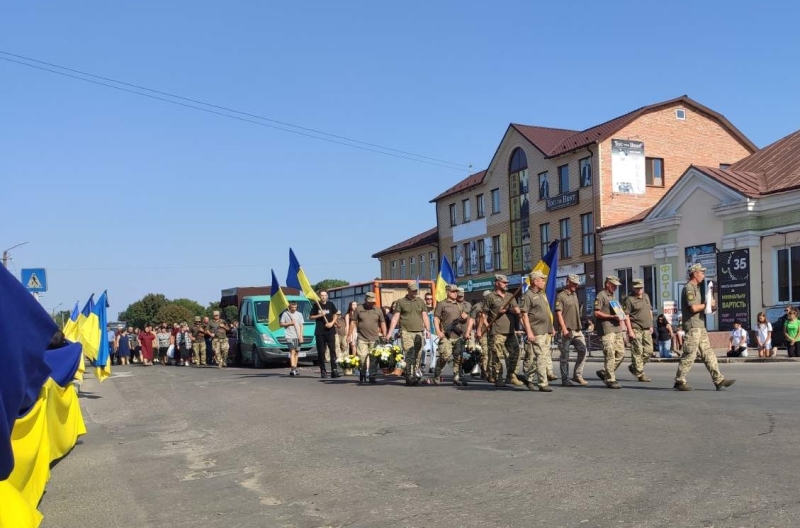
(545,141)
(543,138)
(467,183)
(431,236)
(778,163)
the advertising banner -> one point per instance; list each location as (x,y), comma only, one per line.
(627,166)
(733,283)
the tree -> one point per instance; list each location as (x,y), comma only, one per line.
(194,307)
(209,311)
(329,283)
(231,313)
(144,311)
(61,318)
(173,313)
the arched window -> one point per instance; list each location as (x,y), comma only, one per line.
(520,212)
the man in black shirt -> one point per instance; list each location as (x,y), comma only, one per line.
(325,314)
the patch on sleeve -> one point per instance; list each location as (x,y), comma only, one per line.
(597,304)
(689,295)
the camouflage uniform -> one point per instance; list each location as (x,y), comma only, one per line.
(613,339)
(696,340)
(448,312)
(483,342)
(199,344)
(640,317)
(219,343)
(411,333)
(503,342)
(567,303)
(535,307)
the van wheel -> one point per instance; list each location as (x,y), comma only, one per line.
(257,361)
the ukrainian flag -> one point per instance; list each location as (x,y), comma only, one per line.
(296,278)
(90,335)
(549,266)
(446,276)
(102,362)
(71,330)
(277,304)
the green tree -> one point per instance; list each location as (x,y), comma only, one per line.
(329,283)
(61,318)
(173,313)
(144,311)
(209,311)
(231,313)
(194,307)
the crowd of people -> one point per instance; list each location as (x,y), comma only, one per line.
(206,342)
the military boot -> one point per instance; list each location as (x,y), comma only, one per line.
(724,383)
(513,380)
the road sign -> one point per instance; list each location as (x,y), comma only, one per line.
(34,279)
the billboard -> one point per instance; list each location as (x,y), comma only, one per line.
(733,268)
(627,166)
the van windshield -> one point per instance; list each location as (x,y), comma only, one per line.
(262,310)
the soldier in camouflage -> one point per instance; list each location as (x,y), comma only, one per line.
(199,342)
(499,316)
(446,319)
(411,315)
(219,341)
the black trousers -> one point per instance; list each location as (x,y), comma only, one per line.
(793,349)
(326,342)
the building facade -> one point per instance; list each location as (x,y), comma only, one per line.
(547,184)
(415,258)
(741,222)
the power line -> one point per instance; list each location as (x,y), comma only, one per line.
(302,131)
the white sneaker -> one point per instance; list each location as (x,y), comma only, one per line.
(296,373)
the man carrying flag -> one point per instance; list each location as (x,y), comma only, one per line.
(278,306)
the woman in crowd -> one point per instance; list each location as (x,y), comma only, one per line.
(790,330)
(679,335)
(664,336)
(764,330)
(164,339)
(146,339)
(133,341)
(351,310)
(123,346)
(183,345)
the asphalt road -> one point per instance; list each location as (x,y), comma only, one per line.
(184,447)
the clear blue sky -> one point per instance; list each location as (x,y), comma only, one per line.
(119,192)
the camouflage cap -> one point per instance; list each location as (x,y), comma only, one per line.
(452,288)
(412,286)
(613,279)
(536,274)
(369,296)
(500,278)
(196,318)
(574,279)
(216,312)
(638,283)
(696,267)
(460,290)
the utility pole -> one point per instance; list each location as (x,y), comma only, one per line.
(7,255)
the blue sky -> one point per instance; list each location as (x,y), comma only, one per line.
(116,191)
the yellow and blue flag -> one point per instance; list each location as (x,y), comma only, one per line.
(446,276)
(277,304)
(296,278)
(71,330)
(89,333)
(102,362)
(549,266)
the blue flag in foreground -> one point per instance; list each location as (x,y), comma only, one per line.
(25,331)
(296,278)
(277,304)
(102,362)
(446,276)
(548,265)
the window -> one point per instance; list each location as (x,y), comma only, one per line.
(650,276)
(403,268)
(789,274)
(497,252)
(585,168)
(724,166)
(519,205)
(467,258)
(626,278)
(481,256)
(452,214)
(454,260)
(563,179)
(544,235)
(479,206)
(466,210)
(433,262)
(495,201)
(566,250)
(544,186)
(680,114)
(393,272)
(654,172)
(587,234)
(412,268)
(422,269)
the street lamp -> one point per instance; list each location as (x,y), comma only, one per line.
(7,255)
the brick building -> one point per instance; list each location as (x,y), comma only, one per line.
(544,184)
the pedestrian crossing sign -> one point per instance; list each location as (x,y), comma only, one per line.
(34,279)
